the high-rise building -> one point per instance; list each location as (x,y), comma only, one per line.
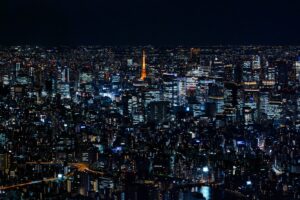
(216,95)
(159,111)
(247,72)
(129,62)
(282,73)
(65,74)
(18,67)
(297,65)
(170,89)
(217,69)
(4,160)
(256,62)
(228,73)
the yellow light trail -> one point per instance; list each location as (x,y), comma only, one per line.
(81,167)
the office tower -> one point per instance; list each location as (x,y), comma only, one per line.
(136,108)
(230,94)
(251,100)
(275,108)
(68,74)
(228,73)
(203,90)
(238,72)
(152,95)
(129,62)
(297,65)
(159,111)
(31,71)
(170,87)
(256,62)
(204,70)
(18,67)
(247,72)
(216,96)
(4,160)
(182,90)
(248,116)
(256,68)
(282,73)
(191,85)
(65,90)
(264,103)
(194,107)
(298,106)
(115,81)
(65,74)
(217,68)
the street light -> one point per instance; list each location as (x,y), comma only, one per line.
(205,169)
(249,183)
(59,176)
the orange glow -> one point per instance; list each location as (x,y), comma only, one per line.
(144,74)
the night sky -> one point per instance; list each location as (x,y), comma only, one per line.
(157,22)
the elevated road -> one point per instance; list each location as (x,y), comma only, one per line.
(81,167)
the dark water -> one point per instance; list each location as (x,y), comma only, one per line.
(141,192)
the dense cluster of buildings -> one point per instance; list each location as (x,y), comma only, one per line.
(132,122)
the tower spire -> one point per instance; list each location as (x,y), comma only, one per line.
(143,74)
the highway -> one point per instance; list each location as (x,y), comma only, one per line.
(26,184)
(81,167)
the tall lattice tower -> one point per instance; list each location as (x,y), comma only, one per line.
(144,73)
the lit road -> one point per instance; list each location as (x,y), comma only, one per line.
(26,184)
(81,167)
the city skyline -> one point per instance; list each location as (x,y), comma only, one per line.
(149,99)
(147,122)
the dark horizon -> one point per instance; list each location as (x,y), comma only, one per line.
(143,22)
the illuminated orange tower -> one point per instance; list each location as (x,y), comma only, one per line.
(143,74)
